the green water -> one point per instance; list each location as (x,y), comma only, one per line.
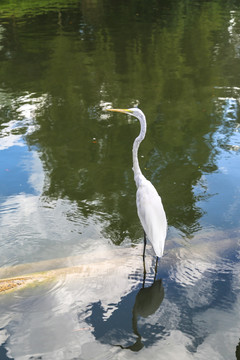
(66,180)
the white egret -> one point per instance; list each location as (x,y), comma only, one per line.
(149,204)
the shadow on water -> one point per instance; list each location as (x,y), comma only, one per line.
(144,303)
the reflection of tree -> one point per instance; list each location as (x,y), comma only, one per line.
(94,57)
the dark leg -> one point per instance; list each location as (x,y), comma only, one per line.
(144,273)
(156,269)
(144,246)
(144,267)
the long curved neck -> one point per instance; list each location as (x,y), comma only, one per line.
(137,142)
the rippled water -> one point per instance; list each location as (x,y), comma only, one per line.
(67,194)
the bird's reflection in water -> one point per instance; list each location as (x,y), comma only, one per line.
(238,351)
(122,325)
(147,301)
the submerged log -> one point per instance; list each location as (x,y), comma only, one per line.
(206,246)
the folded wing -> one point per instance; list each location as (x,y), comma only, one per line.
(152,215)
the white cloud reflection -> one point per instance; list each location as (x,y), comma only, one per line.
(55,326)
(8,138)
(24,110)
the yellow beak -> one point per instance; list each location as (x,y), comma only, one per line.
(125,111)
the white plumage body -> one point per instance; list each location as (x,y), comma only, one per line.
(151,214)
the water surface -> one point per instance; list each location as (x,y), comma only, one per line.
(66,181)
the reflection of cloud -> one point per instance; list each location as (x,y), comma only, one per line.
(11,140)
(33,230)
(233,209)
(223,330)
(55,325)
(8,138)
(190,270)
(34,167)
(26,107)
(29,104)
(223,170)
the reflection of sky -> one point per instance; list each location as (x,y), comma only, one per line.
(10,140)
(32,228)
(223,208)
(15,158)
(82,318)
(14,177)
(199,317)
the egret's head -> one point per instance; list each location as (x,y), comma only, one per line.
(132,111)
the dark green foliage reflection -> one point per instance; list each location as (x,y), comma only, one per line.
(89,54)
